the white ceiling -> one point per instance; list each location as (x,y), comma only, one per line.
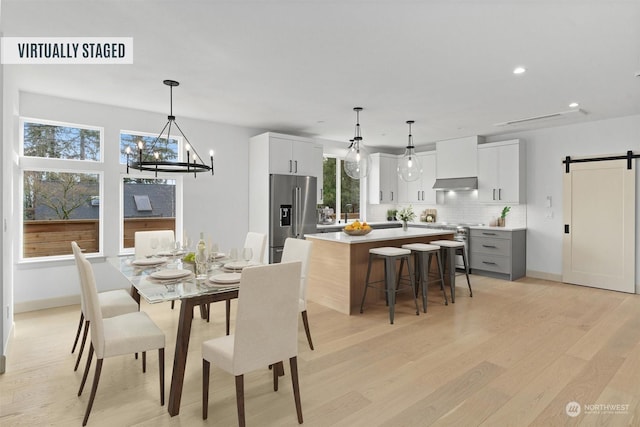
(300,66)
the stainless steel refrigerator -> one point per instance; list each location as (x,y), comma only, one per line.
(292,210)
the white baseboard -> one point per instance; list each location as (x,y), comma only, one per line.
(544,276)
(22,307)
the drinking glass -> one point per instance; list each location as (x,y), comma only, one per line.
(154,242)
(247,254)
(186,243)
(233,254)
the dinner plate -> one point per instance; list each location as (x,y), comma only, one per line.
(238,265)
(145,262)
(218,255)
(225,278)
(169,253)
(169,274)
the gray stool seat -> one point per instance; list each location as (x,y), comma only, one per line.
(423,253)
(391,285)
(449,250)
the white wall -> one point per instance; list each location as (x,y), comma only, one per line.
(215,205)
(545,151)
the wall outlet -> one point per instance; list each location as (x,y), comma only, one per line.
(548,214)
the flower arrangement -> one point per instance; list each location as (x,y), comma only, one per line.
(405,214)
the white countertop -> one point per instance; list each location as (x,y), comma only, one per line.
(377,235)
(486,227)
(342,224)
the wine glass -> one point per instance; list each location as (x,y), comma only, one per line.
(247,254)
(154,242)
(186,243)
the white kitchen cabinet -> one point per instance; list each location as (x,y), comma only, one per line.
(293,156)
(501,172)
(421,190)
(318,171)
(383,179)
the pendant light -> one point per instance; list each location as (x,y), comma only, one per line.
(357,162)
(149,159)
(409,168)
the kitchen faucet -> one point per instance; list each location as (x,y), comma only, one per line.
(348,207)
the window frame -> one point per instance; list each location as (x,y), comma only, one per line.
(136,174)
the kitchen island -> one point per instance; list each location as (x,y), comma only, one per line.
(338,266)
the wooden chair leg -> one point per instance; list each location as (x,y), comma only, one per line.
(75,342)
(293,363)
(84,340)
(206,366)
(305,322)
(173,303)
(161,370)
(208,312)
(240,399)
(144,361)
(228,313)
(96,379)
(86,369)
(275,378)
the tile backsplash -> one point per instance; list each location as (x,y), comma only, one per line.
(458,207)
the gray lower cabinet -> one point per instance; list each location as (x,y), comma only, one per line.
(498,253)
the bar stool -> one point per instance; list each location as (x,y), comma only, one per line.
(423,253)
(390,255)
(451,248)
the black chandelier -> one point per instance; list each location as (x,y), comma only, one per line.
(150,159)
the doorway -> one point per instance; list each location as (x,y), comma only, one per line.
(599,217)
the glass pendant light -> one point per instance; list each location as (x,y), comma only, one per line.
(357,162)
(409,168)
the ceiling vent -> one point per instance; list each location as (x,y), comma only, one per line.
(543,117)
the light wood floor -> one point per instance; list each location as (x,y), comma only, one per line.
(513,355)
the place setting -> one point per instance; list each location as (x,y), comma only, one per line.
(149,262)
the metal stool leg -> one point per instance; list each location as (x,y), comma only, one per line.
(466,270)
(390,280)
(413,284)
(446,302)
(366,283)
(423,281)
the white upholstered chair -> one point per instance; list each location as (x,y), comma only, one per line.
(257,242)
(125,334)
(112,303)
(142,241)
(300,250)
(266,331)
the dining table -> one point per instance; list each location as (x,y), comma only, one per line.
(161,280)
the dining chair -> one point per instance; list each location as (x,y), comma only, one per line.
(115,336)
(266,332)
(142,241)
(300,250)
(112,303)
(257,242)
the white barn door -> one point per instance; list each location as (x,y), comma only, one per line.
(599,217)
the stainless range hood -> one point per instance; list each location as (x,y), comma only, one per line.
(467,183)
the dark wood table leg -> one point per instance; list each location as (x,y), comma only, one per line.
(135,295)
(180,357)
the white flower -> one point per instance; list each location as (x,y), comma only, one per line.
(406,214)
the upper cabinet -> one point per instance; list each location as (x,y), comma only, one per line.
(275,153)
(293,156)
(501,172)
(420,190)
(383,179)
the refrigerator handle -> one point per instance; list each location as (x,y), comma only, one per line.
(296,212)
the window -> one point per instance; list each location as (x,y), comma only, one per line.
(339,186)
(148,202)
(61,187)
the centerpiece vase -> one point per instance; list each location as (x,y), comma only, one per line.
(405,226)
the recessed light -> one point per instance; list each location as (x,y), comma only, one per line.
(573,105)
(519,70)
